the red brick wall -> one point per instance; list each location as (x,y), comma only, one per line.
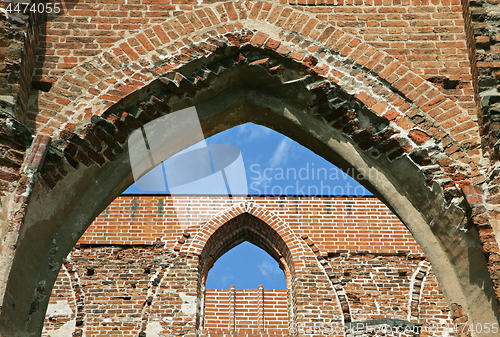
(249,310)
(334,224)
(135,272)
(428,35)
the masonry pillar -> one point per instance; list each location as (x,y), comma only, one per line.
(232,309)
(260,307)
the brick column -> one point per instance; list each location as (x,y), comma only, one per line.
(260,307)
(232,309)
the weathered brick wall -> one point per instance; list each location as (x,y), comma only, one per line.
(403,73)
(337,224)
(19,35)
(133,273)
(114,288)
(62,314)
(485,15)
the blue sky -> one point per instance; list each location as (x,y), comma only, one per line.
(271,164)
(246,266)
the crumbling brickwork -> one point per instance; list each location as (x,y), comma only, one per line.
(403,90)
(360,264)
(19,36)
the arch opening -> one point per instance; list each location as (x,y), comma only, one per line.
(265,163)
(246,266)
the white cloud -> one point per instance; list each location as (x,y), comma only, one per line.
(226,277)
(267,268)
(280,154)
(262,178)
(252,131)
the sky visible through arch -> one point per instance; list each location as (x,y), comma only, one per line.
(273,165)
(246,266)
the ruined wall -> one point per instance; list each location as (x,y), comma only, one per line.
(18,52)
(485,15)
(131,273)
(405,73)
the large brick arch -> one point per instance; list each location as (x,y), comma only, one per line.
(92,87)
(416,148)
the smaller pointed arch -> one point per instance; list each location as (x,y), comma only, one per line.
(248,221)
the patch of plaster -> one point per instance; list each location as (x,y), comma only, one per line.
(189,304)
(153,329)
(59,308)
(66,330)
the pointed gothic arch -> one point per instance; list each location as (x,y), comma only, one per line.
(255,224)
(314,95)
(290,248)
